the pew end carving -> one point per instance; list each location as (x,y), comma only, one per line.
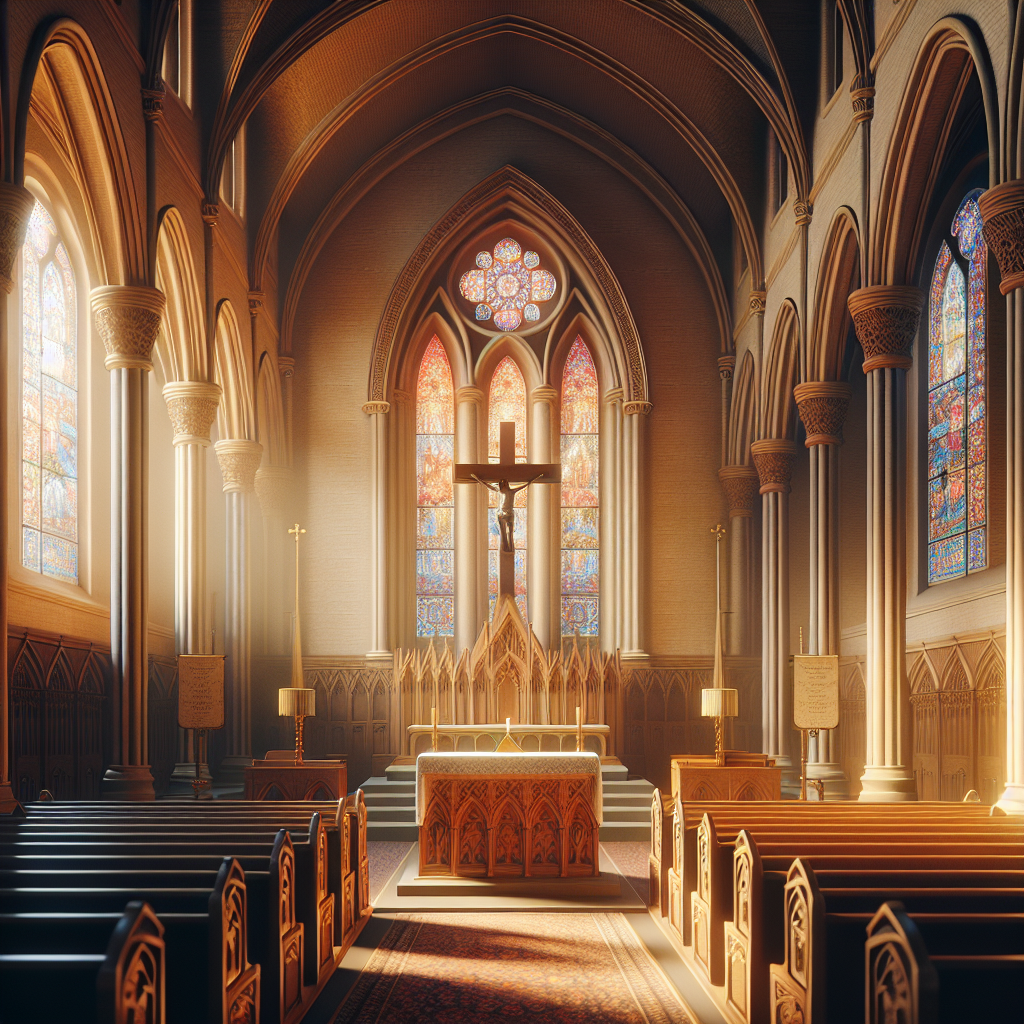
(287,936)
(131,984)
(746,972)
(900,982)
(708,902)
(795,992)
(236,999)
(661,858)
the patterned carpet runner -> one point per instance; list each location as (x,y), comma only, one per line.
(536,968)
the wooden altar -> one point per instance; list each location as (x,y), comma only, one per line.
(743,777)
(508,815)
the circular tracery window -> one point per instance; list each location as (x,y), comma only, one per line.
(507,285)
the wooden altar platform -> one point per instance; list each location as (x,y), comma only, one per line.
(508,815)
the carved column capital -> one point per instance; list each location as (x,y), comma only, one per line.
(239,460)
(613,395)
(256,299)
(1002,213)
(127,318)
(773,458)
(803,211)
(544,393)
(377,408)
(822,405)
(862,95)
(886,318)
(740,484)
(469,394)
(274,491)
(758,302)
(210,211)
(726,366)
(192,406)
(637,408)
(153,104)
(15,209)
(286,366)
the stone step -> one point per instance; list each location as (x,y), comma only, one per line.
(624,832)
(384,800)
(391,831)
(626,800)
(626,814)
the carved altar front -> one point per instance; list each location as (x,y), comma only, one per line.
(508,815)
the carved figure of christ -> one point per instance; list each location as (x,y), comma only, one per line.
(506,477)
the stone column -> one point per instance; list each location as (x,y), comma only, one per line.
(774,461)
(544,504)
(740,484)
(379,640)
(822,406)
(610,489)
(15,209)
(286,367)
(273,489)
(1002,210)
(192,407)
(239,460)
(635,414)
(726,366)
(468,620)
(886,318)
(127,318)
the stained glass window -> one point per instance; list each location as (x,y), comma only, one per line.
(506,403)
(507,284)
(49,400)
(580,570)
(957,494)
(435,506)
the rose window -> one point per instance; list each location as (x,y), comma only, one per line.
(507,285)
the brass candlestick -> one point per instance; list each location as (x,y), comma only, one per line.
(296,702)
(719,701)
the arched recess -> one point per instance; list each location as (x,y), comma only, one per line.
(520,198)
(521,354)
(63,63)
(575,319)
(779,410)
(838,275)
(950,54)
(236,418)
(270,413)
(448,330)
(182,341)
(742,414)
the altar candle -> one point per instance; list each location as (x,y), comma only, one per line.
(508,725)
(577,716)
(433,718)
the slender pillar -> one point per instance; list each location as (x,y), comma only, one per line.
(635,414)
(886,319)
(1002,210)
(274,491)
(15,209)
(239,460)
(468,621)
(610,484)
(192,407)
(286,367)
(774,461)
(380,647)
(823,406)
(545,595)
(726,366)
(127,318)
(741,485)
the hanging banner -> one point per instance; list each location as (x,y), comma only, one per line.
(201,691)
(816,691)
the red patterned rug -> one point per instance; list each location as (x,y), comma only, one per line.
(524,968)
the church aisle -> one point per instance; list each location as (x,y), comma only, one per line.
(471,968)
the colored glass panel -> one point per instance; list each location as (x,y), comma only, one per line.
(49,375)
(957,427)
(580,453)
(506,285)
(435,494)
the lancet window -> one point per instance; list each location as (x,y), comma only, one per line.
(435,506)
(957,493)
(49,399)
(506,403)
(580,564)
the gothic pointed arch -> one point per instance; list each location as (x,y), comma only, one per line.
(182,340)
(778,415)
(838,275)
(232,372)
(742,414)
(270,413)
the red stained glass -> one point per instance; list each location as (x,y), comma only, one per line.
(507,286)
(506,403)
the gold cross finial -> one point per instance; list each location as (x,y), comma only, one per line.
(296,531)
(718,531)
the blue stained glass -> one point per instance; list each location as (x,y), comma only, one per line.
(434,528)
(31,549)
(976,555)
(60,505)
(435,572)
(580,572)
(580,615)
(946,427)
(947,505)
(946,559)
(435,616)
(60,559)
(580,528)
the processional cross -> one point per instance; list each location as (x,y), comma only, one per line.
(506,477)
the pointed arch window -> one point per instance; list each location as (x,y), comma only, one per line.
(506,402)
(435,505)
(581,573)
(49,399)
(957,492)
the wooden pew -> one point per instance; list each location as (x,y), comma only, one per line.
(117,974)
(660,861)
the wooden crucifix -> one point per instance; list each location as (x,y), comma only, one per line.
(506,477)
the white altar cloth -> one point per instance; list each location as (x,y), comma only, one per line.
(469,762)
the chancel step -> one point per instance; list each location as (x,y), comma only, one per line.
(391,805)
